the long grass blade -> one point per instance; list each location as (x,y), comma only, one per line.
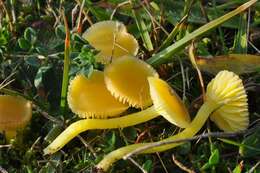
(164,55)
(65,79)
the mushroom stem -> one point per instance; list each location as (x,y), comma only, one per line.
(82,125)
(9,134)
(206,109)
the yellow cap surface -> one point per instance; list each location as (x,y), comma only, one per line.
(168,103)
(15,113)
(89,97)
(126,79)
(111,39)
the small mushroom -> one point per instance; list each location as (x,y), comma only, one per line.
(15,113)
(111,39)
(166,102)
(89,97)
(225,98)
(126,79)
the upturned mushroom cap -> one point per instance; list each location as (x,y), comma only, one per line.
(232,114)
(111,39)
(126,79)
(15,113)
(168,103)
(89,97)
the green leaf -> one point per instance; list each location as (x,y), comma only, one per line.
(253,141)
(30,35)
(237,169)
(111,142)
(32,61)
(3,40)
(60,32)
(214,157)
(240,41)
(24,44)
(148,165)
(39,76)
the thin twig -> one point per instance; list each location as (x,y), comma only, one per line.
(254,167)
(157,153)
(166,142)
(117,7)
(89,147)
(47,116)
(6,146)
(79,26)
(181,166)
(153,19)
(2,170)
(136,164)
(35,142)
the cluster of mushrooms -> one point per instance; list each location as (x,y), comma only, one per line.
(103,98)
(127,81)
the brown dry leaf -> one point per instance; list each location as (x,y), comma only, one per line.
(238,63)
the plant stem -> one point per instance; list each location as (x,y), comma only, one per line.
(82,125)
(206,109)
(65,79)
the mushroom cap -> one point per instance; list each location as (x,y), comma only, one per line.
(15,112)
(89,97)
(111,39)
(126,79)
(227,90)
(168,103)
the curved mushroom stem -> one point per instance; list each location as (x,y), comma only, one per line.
(87,124)
(10,134)
(206,109)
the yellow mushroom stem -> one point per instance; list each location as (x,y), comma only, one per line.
(82,125)
(10,134)
(226,92)
(166,103)
(201,117)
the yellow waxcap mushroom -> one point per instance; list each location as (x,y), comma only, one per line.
(15,113)
(126,79)
(111,39)
(89,97)
(225,98)
(233,115)
(168,103)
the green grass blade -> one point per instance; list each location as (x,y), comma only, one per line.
(142,29)
(165,55)
(65,78)
(173,33)
(240,41)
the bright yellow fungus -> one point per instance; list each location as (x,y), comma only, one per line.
(171,108)
(15,113)
(111,39)
(225,90)
(233,115)
(167,103)
(89,97)
(126,79)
